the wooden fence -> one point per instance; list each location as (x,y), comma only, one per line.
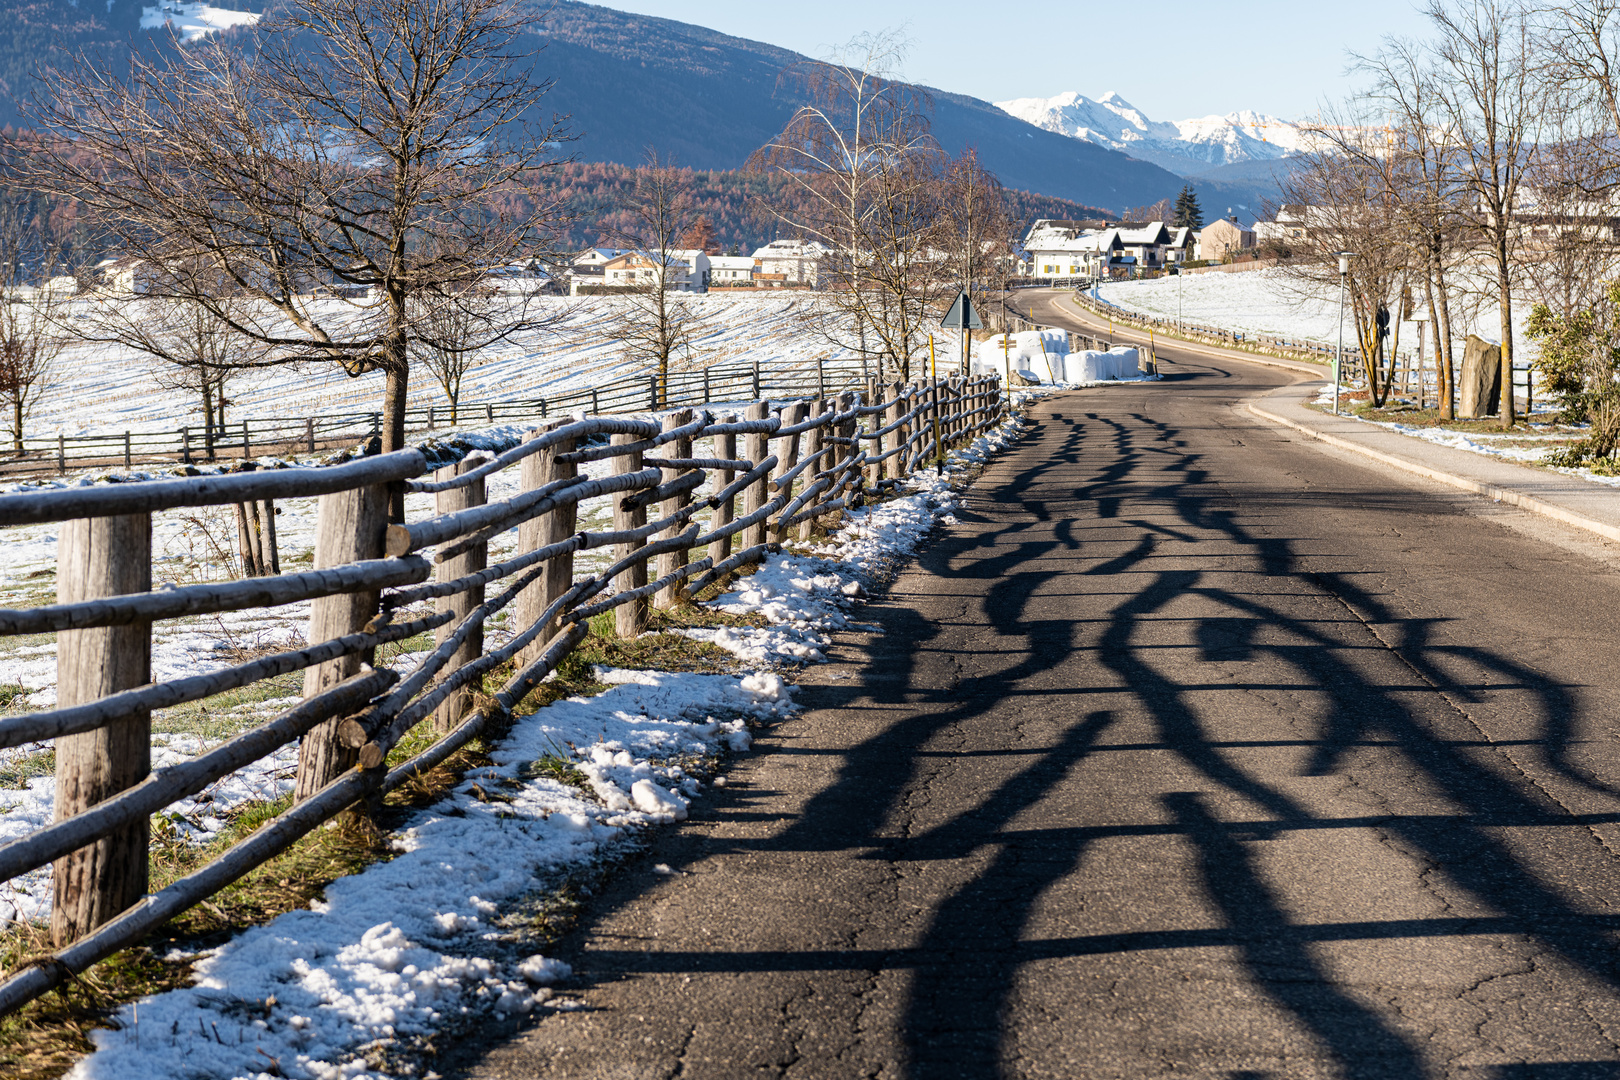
(306,434)
(801,463)
(1309,351)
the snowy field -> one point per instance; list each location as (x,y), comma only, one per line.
(408,946)
(192,21)
(1275,303)
(101,390)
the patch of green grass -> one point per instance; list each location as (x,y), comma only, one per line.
(17,772)
(559,768)
(12,695)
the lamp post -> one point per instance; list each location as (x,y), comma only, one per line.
(1338,356)
(1180,289)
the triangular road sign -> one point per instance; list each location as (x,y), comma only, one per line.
(961,316)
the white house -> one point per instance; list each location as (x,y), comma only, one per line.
(798,261)
(731,270)
(689,271)
(682,271)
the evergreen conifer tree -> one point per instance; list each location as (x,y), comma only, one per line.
(1188,215)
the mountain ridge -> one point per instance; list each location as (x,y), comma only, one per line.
(1189,148)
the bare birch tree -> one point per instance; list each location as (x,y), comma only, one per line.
(862,175)
(1348,183)
(384,145)
(1426,189)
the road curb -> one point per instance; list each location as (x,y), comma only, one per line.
(1476,487)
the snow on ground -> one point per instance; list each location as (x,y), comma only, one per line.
(1274,303)
(103,390)
(409,945)
(193,21)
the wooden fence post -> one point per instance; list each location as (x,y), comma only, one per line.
(630,619)
(454,708)
(847,430)
(126,450)
(725,512)
(309,434)
(538,470)
(813,443)
(101,557)
(756,447)
(350,526)
(670,561)
(897,437)
(61,453)
(787,454)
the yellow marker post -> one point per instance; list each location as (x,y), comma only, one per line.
(933,373)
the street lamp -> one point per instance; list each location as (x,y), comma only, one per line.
(1180,291)
(1338,356)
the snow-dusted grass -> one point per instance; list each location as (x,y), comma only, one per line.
(414,943)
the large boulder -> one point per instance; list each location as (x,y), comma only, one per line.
(1480,385)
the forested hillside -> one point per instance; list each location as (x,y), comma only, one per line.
(737,203)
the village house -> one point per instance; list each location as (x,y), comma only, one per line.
(797,261)
(1223,237)
(684,271)
(731,270)
(1064,249)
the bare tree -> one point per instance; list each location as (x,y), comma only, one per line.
(193,349)
(1492,98)
(659,321)
(446,329)
(1348,183)
(381,145)
(31,341)
(862,178)
(1424,187)
(976,229)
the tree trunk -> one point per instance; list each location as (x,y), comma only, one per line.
(395,388)
(17,422)
(101,557)
(208,415)
(1443,346)
(1504,303)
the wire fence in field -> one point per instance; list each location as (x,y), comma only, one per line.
(786,466)
(258,436)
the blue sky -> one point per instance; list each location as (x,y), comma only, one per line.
(1277,56)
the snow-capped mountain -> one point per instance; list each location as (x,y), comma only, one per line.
(1187,147)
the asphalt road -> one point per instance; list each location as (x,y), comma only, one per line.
(1193,750)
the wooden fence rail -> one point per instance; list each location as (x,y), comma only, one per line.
(690,505)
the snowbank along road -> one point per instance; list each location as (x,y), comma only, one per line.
(1189,750)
